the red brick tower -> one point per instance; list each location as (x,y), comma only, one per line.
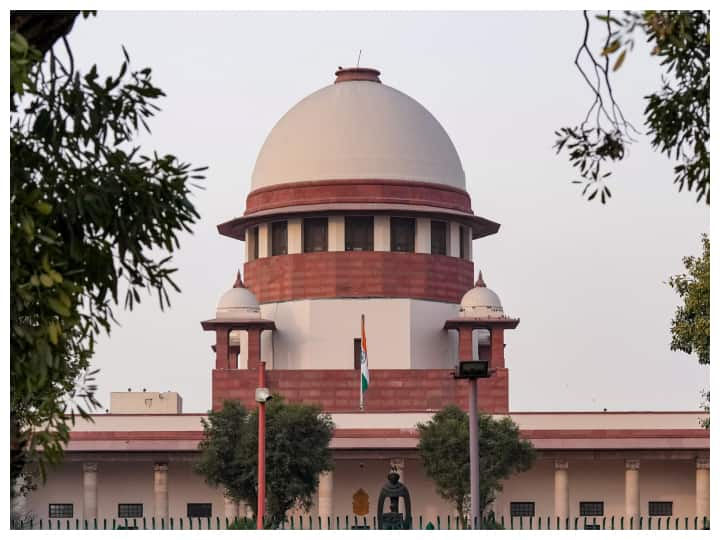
(358,207)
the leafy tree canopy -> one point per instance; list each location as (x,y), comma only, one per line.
(297,450)
(445,453)
(691,325)
(677,116)
(90,214)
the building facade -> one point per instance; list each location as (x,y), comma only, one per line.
(358,207)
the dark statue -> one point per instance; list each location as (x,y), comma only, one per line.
(394,489)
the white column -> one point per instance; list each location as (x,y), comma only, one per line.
(632,491)
(294,235)
(454,240)
(422,235)
(562,492)
(336,233)
(160,490)
(263,240)
(702,488)
(89,491)
(231,508)
(325,495)
(381,233)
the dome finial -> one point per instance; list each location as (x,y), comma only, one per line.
(357,74)
(238,281)
(480,281)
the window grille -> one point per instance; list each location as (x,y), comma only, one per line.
(279,238)
(199,510)
(315,235)
(60,510)
(438,238)
(402,234)
(592,508)
(463,243)
(255,243)
(524,509)
(660,508)
(359,233)
(130,510)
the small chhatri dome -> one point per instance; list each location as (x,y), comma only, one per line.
(481,302)
(238,303)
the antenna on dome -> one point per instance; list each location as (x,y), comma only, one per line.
(358,61)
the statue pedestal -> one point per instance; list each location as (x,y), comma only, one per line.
(392,521)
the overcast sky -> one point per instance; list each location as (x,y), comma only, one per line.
(588,282)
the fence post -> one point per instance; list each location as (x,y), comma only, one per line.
(695,522)
(419,521)
(440,528)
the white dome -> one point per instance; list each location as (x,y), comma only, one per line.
(238,303)
(481,303)
(358,129)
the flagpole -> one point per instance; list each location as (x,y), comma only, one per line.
(362,334)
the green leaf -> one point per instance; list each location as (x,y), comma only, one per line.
(614,46)
(43,207)
(619,61)
(53,332)
(46,280)
(58,307)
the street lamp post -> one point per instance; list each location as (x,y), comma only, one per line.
(474,451)
(473,370)
(262,395)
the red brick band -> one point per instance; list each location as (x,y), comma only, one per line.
(359,274)
(358,191)
(337,390)
(356,433)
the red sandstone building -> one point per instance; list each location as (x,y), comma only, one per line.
(358,206)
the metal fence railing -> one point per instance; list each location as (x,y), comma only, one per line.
(369,522)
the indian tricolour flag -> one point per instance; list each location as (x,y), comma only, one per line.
(364,371)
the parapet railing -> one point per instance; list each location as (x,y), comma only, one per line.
(309,522)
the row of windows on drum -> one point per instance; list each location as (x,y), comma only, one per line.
(359,236)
